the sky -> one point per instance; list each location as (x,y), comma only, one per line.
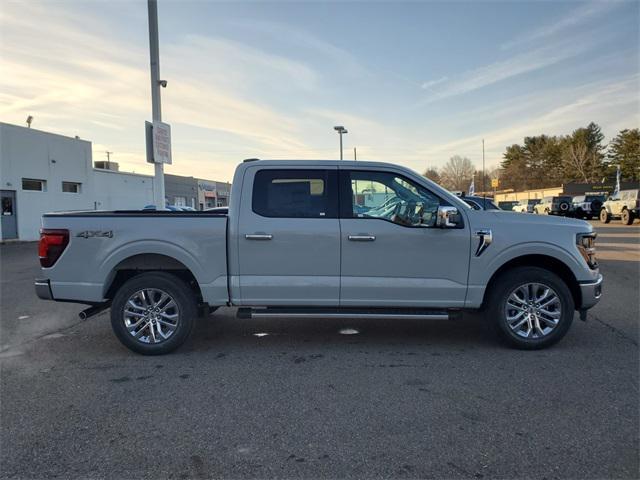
(414,83)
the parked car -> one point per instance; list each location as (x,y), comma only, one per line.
(219,210)
(560,205)
(625,206)
(507,205)
(587,206)
(526,206)
(293,246)
(480,203)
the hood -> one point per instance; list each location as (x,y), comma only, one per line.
(523,219)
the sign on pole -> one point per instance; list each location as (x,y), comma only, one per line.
(495,183)
(158,136)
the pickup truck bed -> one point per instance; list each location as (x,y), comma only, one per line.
(179,241)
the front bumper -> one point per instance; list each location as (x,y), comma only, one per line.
(43,289)
(590,293)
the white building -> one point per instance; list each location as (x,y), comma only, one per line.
(43,172)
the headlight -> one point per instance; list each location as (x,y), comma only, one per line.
(586,247)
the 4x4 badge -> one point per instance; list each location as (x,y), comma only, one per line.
(95,233)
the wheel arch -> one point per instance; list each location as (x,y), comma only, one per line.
(137,264)
(546,262)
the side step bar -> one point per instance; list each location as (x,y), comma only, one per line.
(396,314)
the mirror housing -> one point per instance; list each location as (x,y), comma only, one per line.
(448,217)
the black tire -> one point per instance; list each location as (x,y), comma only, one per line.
(177,290)
(505,285)
(626,217)
(604,216)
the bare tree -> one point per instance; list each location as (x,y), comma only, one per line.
(432,174)
(579,158)
(457,173)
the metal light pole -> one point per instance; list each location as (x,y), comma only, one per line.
(484,195)
(341,130)
(154,55)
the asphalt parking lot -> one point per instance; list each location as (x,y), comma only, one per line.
(399,399)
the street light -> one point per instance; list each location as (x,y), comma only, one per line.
(340,129)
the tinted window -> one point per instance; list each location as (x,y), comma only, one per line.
(295,193)
(390,197)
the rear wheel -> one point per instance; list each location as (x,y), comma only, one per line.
(605,217)
(530,308)
(153,313)
(627,217)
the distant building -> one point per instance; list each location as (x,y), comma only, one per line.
(213,194)
(181,191)
(573,189)
(44,172)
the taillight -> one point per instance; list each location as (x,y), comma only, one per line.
(52,244)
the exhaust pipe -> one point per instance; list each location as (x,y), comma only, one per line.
(93,310)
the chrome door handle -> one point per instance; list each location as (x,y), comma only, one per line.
(259,236)
(362,238)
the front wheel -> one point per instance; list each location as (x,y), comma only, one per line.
(627,217)
(604,216)
(530,308)
(153,313)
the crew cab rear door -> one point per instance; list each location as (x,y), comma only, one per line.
(289,236)
(392,252)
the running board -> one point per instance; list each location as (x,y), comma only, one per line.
(396,314)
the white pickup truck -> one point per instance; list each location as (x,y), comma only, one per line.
(317,239)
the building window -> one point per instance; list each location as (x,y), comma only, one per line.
(34,185)
(71,187)
(180,201)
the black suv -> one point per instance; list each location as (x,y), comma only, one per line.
(587,206)
(561,205)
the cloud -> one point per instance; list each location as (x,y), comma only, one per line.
(614,104)
(504,69)
(77,78)
(318,47)
(432,83)
(584,13)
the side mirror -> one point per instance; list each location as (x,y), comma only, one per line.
(448,217)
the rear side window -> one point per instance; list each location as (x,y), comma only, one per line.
(295,193)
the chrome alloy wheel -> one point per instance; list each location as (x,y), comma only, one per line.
(533,310)
(151,315)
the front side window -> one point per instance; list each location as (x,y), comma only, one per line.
(388,196)
(295,194)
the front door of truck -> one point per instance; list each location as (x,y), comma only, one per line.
(289,237)
(392,252)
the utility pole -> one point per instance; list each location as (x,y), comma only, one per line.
(154,55)
(341,130)
(109,159)
(484,195)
